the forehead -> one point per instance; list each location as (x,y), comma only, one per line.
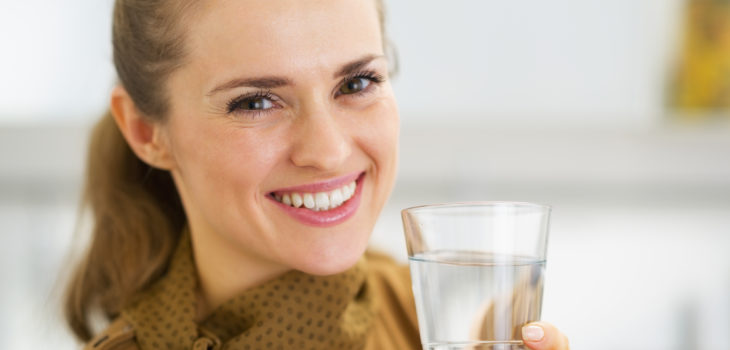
(276,36)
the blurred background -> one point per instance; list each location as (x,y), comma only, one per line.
(617,113)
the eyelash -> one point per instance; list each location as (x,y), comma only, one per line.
(233,106)
(365,74)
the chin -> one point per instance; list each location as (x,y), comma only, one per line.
(331,260)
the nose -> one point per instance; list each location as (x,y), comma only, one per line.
(320,141)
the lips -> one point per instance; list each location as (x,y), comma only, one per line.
(322,204)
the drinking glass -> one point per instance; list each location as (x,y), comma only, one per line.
(478,271)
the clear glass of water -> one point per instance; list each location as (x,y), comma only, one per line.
(478,271)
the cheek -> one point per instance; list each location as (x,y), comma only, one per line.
(379,139)
(220,160)
(380,144)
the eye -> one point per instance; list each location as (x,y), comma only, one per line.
(258,103)
(354,85)
(252,103)
(359,83)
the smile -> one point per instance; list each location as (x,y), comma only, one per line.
(324,203)
(319,200)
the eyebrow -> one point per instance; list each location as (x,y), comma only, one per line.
(356,65)
(260,83)
(272,82)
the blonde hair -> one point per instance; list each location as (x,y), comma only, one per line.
(136,210)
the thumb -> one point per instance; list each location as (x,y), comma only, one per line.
(544,336)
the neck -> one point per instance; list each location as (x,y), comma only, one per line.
(225,272)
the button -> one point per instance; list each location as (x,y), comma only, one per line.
(203,344)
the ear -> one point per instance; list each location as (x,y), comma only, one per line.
(146,138)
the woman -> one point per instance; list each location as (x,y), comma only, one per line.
(250,147)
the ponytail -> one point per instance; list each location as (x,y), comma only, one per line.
(137,219)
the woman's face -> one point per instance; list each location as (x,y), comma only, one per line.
(280,108)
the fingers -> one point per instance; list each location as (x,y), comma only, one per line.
(544,336)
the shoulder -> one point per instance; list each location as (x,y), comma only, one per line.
(118,336)
(390,281)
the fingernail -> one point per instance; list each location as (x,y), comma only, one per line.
(532,333)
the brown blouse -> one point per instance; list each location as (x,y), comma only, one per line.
(369,306)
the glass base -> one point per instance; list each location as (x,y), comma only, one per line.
(478,345)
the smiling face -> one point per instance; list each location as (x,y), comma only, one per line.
(283,104)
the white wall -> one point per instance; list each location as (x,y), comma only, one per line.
(559,62)
(56,60)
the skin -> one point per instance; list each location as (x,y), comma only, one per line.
(224,164)
(551,338)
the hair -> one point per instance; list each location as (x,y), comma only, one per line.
(137,215)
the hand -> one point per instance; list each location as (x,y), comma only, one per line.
(544,336)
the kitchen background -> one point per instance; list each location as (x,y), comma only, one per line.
(614,112)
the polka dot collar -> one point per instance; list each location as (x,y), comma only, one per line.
(295,310)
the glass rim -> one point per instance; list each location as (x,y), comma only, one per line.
(544,207)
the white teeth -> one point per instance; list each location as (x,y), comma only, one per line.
(336,198)
(349,190)
(320,200)
(296,200)
(308,201)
